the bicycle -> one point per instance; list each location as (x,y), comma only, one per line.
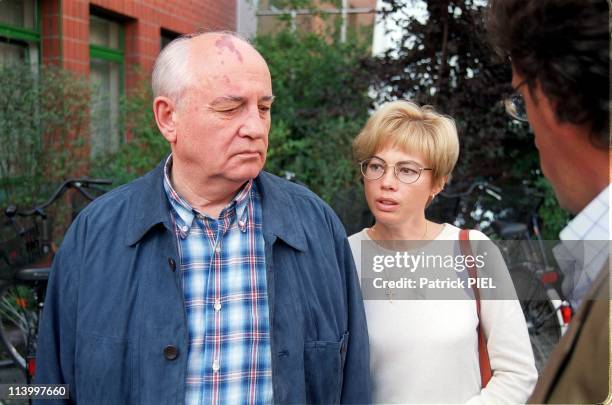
(536,281)
(26,254)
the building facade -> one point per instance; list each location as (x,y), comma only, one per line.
(111,42)
(349,18)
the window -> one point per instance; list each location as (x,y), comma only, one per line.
(167,37)
(106,75)
(19,32)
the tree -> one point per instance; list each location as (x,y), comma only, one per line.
(446,61)
(321,105)
(43,123)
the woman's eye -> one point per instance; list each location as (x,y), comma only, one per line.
(407,170)
(375,166)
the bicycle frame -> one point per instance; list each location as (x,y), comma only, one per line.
(33,279)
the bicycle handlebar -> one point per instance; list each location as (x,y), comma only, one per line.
(481,185)
(80,184)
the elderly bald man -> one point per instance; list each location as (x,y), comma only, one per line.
(208,280)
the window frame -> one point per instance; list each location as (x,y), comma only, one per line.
(114,55)
(29,35)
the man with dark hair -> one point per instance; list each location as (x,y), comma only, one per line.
(559,51)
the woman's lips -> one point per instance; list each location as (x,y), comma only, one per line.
(386,204)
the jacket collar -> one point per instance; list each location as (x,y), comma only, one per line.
(150,207)
(281,218)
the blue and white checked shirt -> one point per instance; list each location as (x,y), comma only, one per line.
(222,264)
(585,247)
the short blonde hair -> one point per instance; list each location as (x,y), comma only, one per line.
(405,125)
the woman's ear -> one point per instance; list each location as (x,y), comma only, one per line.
(439,186)
(165,117)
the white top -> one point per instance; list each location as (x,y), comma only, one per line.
(426,351)
(591,224)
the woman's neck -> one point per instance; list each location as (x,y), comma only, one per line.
(414,229)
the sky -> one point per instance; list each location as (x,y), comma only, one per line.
(386,32)
(383,40)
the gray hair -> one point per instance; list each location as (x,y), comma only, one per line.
(171,71)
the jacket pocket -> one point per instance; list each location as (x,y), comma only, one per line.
(323,370)
(104,370)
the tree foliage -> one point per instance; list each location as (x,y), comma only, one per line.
(321,103)
(444,60)
(145,146)
(43,127)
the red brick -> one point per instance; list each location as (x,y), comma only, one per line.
(143,39)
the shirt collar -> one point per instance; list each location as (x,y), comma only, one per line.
(584,247)
(592,223)
(151,207)
(186,213)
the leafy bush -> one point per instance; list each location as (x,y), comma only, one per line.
(321,105)
(145,147)
(43,124)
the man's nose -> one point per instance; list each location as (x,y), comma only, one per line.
(255,124)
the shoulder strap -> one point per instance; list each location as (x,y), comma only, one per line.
(483,353)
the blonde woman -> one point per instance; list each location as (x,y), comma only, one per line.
(423,350)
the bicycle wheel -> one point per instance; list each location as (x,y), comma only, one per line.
(18,320)
(540,313)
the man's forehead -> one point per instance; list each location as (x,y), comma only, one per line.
(223,49)
(227,43)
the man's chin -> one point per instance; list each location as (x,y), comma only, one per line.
(245,172)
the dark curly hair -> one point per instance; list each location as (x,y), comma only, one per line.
(564,46)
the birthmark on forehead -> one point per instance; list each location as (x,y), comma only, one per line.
(226,42)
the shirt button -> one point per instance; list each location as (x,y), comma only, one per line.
(217,305)
(184,228)
(218,249)
(215,366)
(170,352)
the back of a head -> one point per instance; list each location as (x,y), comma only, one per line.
(562,45)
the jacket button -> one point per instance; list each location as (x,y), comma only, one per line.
(170,352)
(171,264)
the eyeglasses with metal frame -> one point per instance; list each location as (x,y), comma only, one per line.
(407,172)
(515,105)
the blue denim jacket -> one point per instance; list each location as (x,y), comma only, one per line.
(114,325)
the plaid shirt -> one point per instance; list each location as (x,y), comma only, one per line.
(224,286)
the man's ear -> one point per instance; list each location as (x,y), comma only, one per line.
(165,114)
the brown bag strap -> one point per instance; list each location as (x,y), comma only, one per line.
(483,353)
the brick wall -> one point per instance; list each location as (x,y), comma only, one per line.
(65,28)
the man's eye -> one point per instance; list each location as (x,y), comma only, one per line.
(264,108)
(227,109)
